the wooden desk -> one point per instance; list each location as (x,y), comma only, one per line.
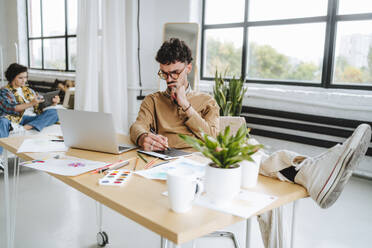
(143,202)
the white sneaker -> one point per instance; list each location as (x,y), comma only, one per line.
(325,176)
(18,130)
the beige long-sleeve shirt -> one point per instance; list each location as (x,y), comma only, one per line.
(160,113)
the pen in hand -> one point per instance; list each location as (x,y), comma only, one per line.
(153,132)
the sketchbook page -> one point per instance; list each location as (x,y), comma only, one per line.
(160,172)
(66,167)
(42,145)
(172,153)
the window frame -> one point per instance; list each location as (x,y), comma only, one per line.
(65,36)
(331,20)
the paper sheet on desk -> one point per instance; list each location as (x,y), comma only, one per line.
(66,167)
(42,145)
(160,172)
(244,205)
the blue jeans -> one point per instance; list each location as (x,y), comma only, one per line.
(38,122)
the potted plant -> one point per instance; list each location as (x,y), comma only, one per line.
(223,173)
(229,95)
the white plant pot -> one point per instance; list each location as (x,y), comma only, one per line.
(250,171)
(222,185)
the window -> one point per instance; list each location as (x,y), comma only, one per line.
(312,43)
(52,34)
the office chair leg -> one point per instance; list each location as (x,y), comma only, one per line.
(226,235)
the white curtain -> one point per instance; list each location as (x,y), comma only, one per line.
(101,83)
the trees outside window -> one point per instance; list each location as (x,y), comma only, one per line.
(316,43)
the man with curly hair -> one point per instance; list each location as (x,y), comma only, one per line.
(178,109)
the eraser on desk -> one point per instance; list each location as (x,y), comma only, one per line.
(115,178)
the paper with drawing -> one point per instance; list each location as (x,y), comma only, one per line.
(42,145)
(66,166)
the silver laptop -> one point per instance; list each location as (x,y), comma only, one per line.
(91,131)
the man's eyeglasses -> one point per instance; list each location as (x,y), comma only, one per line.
(174,75)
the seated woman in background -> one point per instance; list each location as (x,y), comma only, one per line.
(19,104)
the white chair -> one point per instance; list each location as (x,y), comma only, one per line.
(69,99)
(235,122)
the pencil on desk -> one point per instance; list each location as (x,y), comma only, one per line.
(148,165)
(139,154)
(135,166)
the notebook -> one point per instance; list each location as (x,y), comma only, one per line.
(48,99)
(166,154)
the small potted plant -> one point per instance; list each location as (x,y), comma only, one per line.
(229,95)
(223,173)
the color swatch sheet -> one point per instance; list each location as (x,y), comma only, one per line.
(69,166)
(160,172)
(115,178)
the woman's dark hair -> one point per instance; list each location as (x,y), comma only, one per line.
(172,51)
(13,70)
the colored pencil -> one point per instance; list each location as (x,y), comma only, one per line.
(148,165)
(135,166)
(139,155)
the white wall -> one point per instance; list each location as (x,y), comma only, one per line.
(3,33)
(8,30)
(153,15)
(12,30)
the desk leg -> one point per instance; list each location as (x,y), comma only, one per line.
(248,233)
(99,215)
(102,237)
(293,227)
(10,199)
(7,199)
(15,197)
(163,242)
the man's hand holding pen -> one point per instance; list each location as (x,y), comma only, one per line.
(153,142)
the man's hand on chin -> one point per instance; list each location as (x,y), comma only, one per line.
(178,94)
(181,97)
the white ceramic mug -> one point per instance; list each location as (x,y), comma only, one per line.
(250,170)
(183,187)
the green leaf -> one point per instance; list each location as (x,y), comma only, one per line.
(210,142)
